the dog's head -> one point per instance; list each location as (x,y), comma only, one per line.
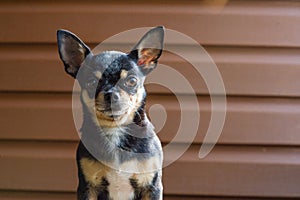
(112,83)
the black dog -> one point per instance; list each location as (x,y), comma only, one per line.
(119,155)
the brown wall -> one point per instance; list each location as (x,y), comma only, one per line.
(256,46)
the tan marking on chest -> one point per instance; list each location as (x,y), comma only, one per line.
(119,185)
(119,179)
(93,171)
(146,171)
(142,171)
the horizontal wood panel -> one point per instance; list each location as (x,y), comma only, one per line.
(38,166)
(275,24)
(17,195)
(241,171)
(245,71)
(248,121)
(39,116)
(227,171)
(266,121)
(13,195)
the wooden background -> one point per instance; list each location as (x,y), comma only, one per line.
(256,46)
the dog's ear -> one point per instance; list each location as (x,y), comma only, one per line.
(147,51)
(72,51)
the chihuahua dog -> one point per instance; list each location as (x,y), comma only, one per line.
(119,155)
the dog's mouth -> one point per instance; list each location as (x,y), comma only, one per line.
(114,115)
(111,114)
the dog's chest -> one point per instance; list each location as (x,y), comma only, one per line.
(119,185)
(119,180)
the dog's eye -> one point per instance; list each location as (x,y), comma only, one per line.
(92,83)
(131,81)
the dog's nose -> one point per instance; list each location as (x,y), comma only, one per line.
(112,97)
(115,97)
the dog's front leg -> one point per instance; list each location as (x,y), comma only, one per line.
(83,190)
